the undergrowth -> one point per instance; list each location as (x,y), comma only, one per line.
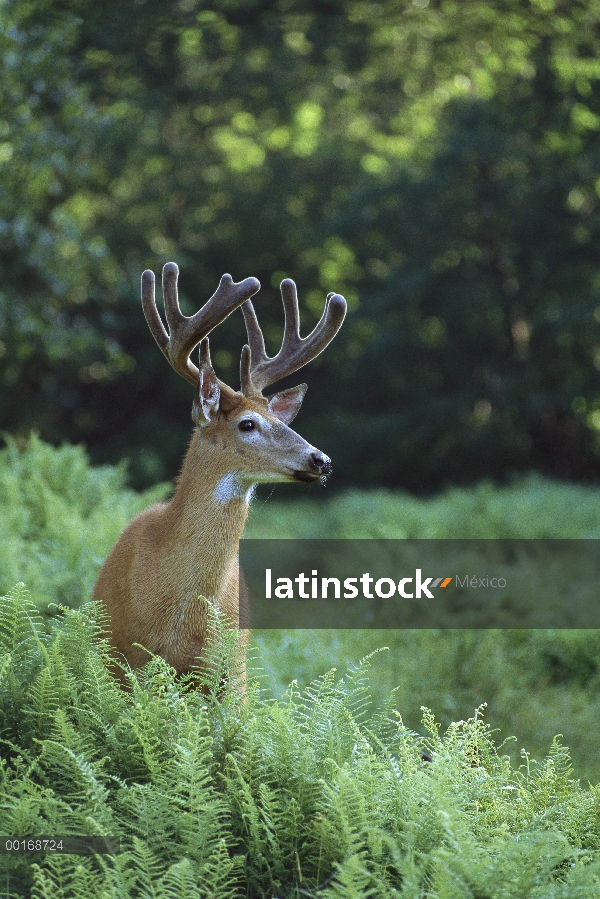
(59,517)
(316,794)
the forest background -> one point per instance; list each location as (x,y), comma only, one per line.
(436,162)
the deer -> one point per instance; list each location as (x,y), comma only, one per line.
(172,555)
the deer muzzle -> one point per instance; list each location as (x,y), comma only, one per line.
(318,466)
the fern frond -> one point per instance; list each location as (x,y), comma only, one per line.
(74,776)
(360,701)
(222,668)
(66,877)
(353,880)
(221,877)
(180,882)
(145,869)
(20,620)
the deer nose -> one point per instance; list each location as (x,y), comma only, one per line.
(320,462)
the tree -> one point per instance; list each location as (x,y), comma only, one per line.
(434,162)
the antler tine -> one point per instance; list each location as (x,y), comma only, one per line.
(255,335)
(151,312)
(187,332)
(295,351)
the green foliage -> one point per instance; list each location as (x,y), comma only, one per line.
(317,794)
(535,683)
(437,166)
(59,517)
(56,270)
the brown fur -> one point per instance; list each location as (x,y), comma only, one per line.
(175,552)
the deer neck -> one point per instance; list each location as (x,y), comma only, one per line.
(208,513)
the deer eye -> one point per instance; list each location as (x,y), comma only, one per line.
(247,424)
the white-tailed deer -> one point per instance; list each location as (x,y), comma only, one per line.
(175,552)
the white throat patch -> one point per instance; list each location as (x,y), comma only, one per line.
(230,487)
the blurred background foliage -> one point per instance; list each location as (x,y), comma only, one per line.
(436,162)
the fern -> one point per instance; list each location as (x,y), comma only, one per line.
(221,876)
(19,620)
(320,793)
(312,795)
(145,869)
(180,882)
(66,877)
(222,668)
(59,518)
(352,879)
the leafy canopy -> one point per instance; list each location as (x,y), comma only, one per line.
(435,162)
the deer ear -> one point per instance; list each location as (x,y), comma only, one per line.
(286,405)
(208,395)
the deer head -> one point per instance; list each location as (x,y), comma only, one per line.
(251,431)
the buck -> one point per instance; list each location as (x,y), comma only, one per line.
(175,552)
